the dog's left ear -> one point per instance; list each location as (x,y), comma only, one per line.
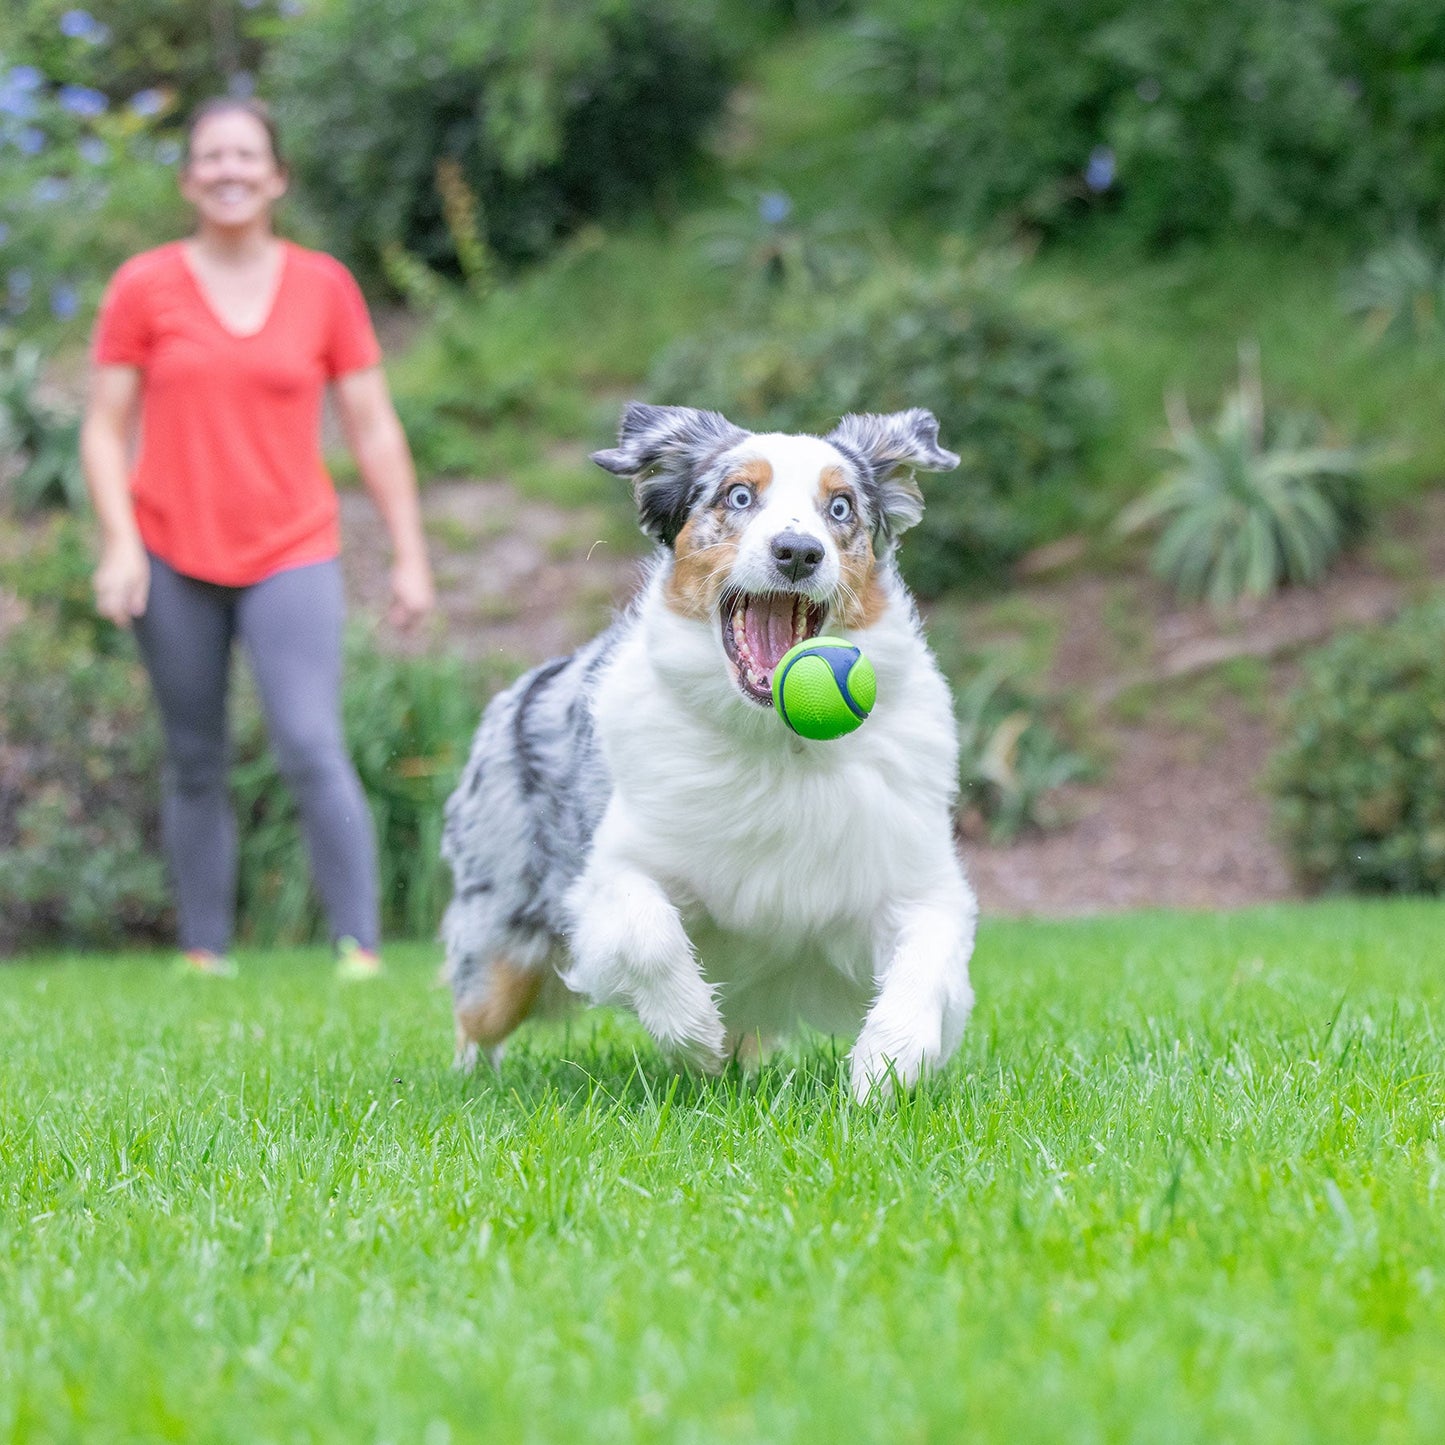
(665,450)
(889,449)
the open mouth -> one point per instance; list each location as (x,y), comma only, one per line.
(758,628)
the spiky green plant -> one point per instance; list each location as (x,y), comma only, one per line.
(1009,759)
(1253,501)
(1399,291)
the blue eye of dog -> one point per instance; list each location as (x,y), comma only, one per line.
(740,498)
(840,509)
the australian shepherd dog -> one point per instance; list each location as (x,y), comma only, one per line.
(635,824)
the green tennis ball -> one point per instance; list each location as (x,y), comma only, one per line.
(824,688)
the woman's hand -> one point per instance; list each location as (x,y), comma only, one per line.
(412,592)
(122,581)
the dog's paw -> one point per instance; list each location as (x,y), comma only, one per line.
(701,1045)
(471,1053)
(878,1067)
(679,1010)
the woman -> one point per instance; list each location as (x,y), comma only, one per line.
(224,525)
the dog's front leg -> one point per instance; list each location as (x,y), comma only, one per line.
(924,996)
(629,946)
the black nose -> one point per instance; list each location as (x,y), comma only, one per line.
(797,555)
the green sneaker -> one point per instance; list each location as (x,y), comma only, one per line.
(202,963)
(355,964)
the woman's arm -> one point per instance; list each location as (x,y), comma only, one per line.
(122,580)
(379,446)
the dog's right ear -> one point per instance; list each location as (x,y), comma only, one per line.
(665,450)
(889,449)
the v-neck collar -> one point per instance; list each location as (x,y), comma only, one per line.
(211,309)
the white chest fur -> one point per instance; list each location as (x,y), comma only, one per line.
(775,836)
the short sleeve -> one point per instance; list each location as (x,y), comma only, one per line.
(351,343)
(122,335)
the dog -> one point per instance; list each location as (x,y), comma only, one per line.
(634,824)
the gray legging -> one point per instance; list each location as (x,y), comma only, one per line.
(290,627)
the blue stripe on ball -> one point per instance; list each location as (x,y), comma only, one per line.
(841,660)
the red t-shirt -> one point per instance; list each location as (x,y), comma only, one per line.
(229,483)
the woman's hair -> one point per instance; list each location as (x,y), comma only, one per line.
(226,105)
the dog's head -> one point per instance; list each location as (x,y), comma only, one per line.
(774,537)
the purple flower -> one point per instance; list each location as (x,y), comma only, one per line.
(147,102)
(18,282)
(64,301)
(291,8)
(17,91)
(242,84)
(82,25)
(774,207)
(4,233)
(93,149)
(30,141)
(168,152)
(1099,173)
(82,100)
(49,189)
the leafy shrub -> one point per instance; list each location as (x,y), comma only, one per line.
(79,756)
(1010,759)
(1008,394)
(42,447)
(189,49)
(83,185)
(409,724)
(771,249)
(80,852)
(1398,290)
(1359,783)
(1257,500)
(1183,118)
(554,116)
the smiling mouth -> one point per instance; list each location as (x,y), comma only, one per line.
(758,628)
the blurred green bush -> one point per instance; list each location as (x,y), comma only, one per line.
(84,184)
(181,51)
(1181,117)
(38,444)
(409,723)
(1009,395)
(1359,782)
(79,765)
(80,853)
(555,114)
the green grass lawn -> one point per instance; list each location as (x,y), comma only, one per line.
(1183,1183)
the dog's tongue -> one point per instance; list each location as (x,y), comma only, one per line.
(768,627)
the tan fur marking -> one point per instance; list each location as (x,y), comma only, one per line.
(867,601)
(698,572)
(700,568)
(757,473)
(863,598)
(511,992)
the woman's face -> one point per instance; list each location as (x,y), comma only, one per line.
(231,176)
